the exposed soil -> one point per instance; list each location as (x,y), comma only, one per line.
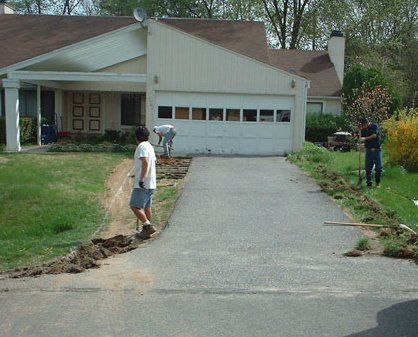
(340,189)
(119,236)
(172,168)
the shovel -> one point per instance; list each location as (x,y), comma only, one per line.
(360,179)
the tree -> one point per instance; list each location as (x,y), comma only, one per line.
(373,104)
(287,19)
(359,80)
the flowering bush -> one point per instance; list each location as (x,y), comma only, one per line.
(402,139)
(372,104)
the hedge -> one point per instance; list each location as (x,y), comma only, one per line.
(91,148)
(28,130)
(320,126)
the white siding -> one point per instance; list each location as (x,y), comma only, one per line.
(332,106)
(135,66)
(178,62)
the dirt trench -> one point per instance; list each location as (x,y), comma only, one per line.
(119,235)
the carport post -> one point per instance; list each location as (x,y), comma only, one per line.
(38,111)
(11,91)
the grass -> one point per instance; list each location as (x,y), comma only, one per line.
(363,244)
(49,204)
(164,202)
(390,204)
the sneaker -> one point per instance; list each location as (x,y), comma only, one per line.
(146,232)
(369,185)
(377,185)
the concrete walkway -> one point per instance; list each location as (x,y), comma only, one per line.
(245,255)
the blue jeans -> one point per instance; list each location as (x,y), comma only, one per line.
(373,159)
(167,138)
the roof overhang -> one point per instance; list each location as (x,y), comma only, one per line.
(92,54)
(54,79)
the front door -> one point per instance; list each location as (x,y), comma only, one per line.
(86,112)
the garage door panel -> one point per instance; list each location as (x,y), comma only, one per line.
(215,129)
(231,145)
(196,129)
(189,144)
(228,137)
(232,130)
(214,144)
(283,133)
(249,130)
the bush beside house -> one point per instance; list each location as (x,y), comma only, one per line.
(320,126)
(402,139)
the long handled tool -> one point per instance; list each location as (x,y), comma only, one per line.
(356,224)
(353,224)
(360,179)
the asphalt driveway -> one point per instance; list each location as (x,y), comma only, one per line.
(245,254)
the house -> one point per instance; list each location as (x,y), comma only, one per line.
(215,80)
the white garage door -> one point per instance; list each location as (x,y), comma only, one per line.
(228,123)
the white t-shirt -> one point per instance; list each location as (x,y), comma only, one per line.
(145,150)
(163,129)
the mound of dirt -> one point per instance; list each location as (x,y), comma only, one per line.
(85,257)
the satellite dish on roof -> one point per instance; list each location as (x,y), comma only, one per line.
(141,16)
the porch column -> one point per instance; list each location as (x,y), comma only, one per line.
(11,91)
(58,109)
(38,112)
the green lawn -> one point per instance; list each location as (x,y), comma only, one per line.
(49,203)
(398,186)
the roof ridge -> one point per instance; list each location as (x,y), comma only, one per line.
(209,19)
(298,50)
(69,16)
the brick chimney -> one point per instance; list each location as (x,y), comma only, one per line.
(336,51)
(5,8)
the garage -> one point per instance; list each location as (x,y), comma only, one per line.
(228,123)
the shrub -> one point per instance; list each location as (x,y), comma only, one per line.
(320,126)
(402,139)
(119,137)
(28,130)
(312,153)
(85,148)
(91,148)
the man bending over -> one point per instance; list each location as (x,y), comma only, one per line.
(168,132)
(145,182)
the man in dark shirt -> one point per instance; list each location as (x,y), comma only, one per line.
(370,135)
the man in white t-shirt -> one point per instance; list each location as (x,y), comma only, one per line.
(145,182)
(167,132)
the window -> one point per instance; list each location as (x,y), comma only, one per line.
(130,110)
(314,107)
(27,103)
(249,115)
(165,112)
(216,114)
(182,113)
(266,115)
(199,114)
(282,115)
(233,115)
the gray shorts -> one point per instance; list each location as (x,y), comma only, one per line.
(141,198)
